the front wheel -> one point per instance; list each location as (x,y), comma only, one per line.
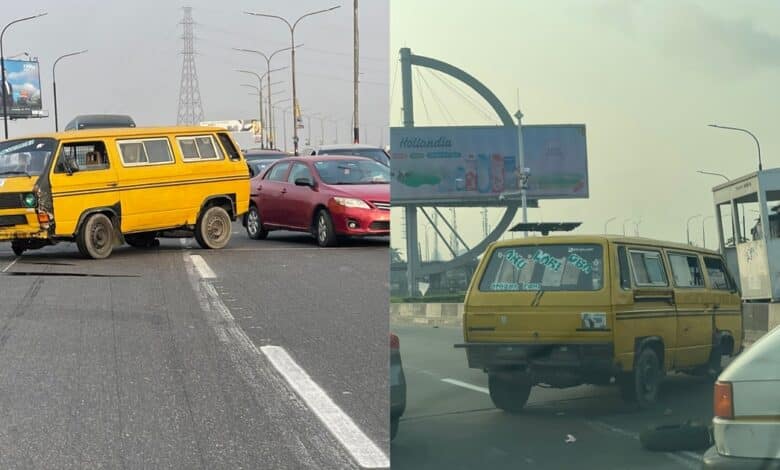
(254,224)
(96,237)
(326,234)
(17,248)
(509,392)
(213,228)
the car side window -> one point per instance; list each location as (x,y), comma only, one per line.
(625,272)
(88,156)
(299,170)
(716,272)
(278,172)
(229,147)
(648,268)
(686,270)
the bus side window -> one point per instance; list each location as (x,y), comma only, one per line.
(625,275)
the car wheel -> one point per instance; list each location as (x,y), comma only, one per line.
(213,229)
(96,237)
(254,225)
(17,248)
(142,240)
(326,234)
(641,386)
(509,392)
(394,427)
(715,362)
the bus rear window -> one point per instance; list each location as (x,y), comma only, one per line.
(544,267)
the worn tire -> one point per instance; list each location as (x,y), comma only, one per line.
(509,392)
(323,229)
(675,438)
(96,237)
(641,386)
(142,240)
(213,229)
(254,224)
(17,248)
(394,427)
(715,363)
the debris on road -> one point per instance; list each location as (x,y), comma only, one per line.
(570,439)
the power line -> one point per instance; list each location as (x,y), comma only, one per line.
(422,96)
(464,96)
(442,107)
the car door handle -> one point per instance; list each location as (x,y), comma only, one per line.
(112,184)
(284,190)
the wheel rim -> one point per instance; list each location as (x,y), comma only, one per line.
(216,228)
(253,222)
(322,229)
(100,237)
(648,374)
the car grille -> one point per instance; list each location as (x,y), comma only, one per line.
(380,225)
(11,220)
(384,206)
(11,201)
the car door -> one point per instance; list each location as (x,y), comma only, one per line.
(92,184)
(270,193)
(299,199)
(694,304)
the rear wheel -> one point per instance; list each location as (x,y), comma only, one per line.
(326,234)
(715,363)
(509,392)
(17,247)
(96,237)
(213,228)
(641,386)
(254,224)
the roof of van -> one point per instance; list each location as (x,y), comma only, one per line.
(124,132)
(611,238)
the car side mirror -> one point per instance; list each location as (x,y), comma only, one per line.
(70,165)
(304,182)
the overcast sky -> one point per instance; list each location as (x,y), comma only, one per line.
(645,77)
(134,64)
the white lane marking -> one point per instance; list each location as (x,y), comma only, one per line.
(469,386)
(10,264)
(202,267)
(684,458)
(362,449)
(245,354)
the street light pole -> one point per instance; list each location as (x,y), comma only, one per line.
(688,227)
(54,84)
(624,225)
(713,174)
(607,224)
(356,136)
(746,132)
(703,236)
(296,108)
(2,69)
(636,224)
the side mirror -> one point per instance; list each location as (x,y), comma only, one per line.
(70,165)
(304,182)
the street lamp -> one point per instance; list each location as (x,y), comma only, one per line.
(260,84)
(636,227)
(713,174)
(26,54)
(276,107)
(746,132)
(703,236)
(54,84)
(292,48)
(2,68)
(688,227)
(624,225)
(607,223)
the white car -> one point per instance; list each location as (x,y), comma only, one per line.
(357,150)
(746,426)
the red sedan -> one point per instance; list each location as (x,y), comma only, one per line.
(327,196)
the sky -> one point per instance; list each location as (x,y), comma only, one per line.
(134,64)
(645,77)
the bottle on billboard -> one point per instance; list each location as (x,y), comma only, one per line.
(471,173)
(510,175)
(497,173)
(483,173)
(460,179)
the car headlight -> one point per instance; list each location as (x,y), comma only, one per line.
(351,202)
(30,200)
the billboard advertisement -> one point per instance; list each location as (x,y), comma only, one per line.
(22,88)
(479,163)
(246,132)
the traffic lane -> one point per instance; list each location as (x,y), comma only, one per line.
(443,415)
(127,372)
(326,306)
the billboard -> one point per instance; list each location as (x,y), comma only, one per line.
(22,88)
(246,132)
(479,163)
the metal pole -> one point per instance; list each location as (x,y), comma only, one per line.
(688,227)
(356,72)
(760,167)
(523,173)
(703,236)
(607,223)
(54,84)
(406,86)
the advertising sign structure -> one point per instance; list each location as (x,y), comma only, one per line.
(245,132)
(476,164)
(22,89)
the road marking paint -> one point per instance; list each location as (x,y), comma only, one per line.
(202,267)
(469,386)
(245,355)
(362,449)
(10,264)
(684,458)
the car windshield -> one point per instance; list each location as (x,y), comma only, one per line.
(544,267)
(357,171)
(378,155)
(25,156)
